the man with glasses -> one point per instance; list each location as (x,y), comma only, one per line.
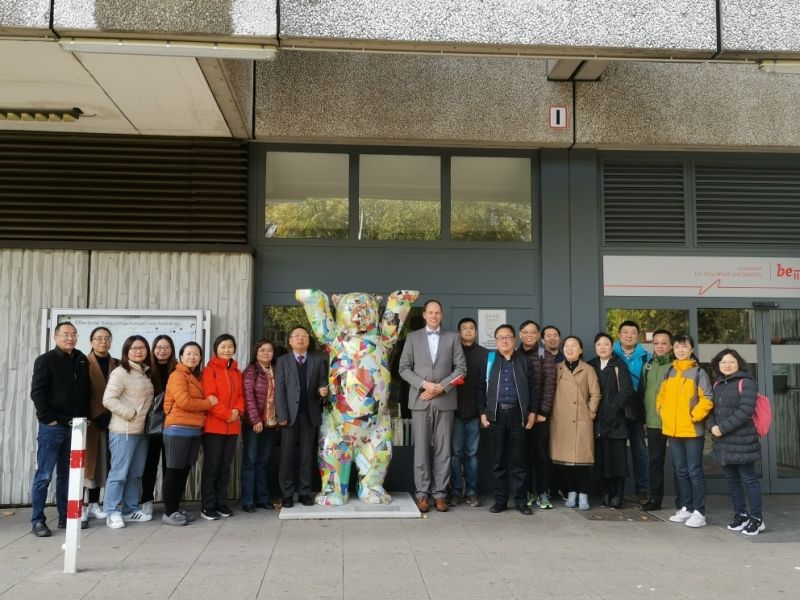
(507,403)
(60,390)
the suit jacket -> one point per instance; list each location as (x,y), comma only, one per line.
(287,387)
(417,367)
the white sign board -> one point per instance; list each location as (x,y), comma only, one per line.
(181,325)
(558,117)
(702,276)
(488,321)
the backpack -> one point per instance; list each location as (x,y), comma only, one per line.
(762,415)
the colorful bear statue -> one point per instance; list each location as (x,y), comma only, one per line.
(356,423)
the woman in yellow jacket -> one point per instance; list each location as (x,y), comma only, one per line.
(683,403)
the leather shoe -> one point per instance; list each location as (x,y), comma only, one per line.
(616,503)
(524,509)
(650,506)
(249,508)
(497,508)
(39,529)
(306,500)
(265,505)
(62,524)
(441,504)
(422,504)
(287,502)
(84,524)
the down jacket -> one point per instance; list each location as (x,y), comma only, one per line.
(684,400)
(574,409)
(128,395)
(733,414)
(184,401)
(223,379)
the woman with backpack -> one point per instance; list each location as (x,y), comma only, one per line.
(735,443)
(683,403)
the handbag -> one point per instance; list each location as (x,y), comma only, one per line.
(154,423)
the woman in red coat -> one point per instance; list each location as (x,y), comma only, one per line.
(222,379)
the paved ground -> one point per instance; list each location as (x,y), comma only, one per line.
(467,553)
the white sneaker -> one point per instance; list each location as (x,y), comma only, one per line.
(95,511)
(115,521)
(583,501)
(85,514)
(147,508)
(696,520)
(137,516)
(681,516)
(571,500)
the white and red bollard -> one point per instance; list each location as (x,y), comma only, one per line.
(77,461)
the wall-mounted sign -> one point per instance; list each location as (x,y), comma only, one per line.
(558,117)
(703,276)
(489,319)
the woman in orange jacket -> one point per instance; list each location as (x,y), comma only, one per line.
(223,380)
(185,408)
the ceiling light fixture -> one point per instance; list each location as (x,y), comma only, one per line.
(50,115)
(791,67)
(169,48)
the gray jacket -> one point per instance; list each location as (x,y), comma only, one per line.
(417,367)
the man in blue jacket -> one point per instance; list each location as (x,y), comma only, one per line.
(60,390)
(628,348)
(507,403)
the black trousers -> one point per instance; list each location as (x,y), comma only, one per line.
(576,478)
(508,451)
(218,451)
(155,452)
(298,443)
(172,488)
(657,451)
(539,457)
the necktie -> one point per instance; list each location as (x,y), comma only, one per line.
(300,360)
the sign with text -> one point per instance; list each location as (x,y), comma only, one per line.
(489,319)
(702,276)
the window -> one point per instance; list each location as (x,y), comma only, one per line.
(490,199)
(399,197)
(306,195)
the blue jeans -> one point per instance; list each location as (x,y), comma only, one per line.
(466,435)
(641,464)
(52,451)
(256,448)
(687,459)
(743,479)
(124,484)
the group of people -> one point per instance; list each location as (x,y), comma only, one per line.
(560,423)
(556,423)
(202,407)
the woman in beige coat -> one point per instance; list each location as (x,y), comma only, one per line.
(572,422)
(129,395)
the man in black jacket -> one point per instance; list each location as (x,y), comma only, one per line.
(60,390)
(508,404)
(466,424)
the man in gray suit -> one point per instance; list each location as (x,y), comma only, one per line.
(300,385)
(431,360)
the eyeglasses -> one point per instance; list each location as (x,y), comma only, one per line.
(504,338)
(101,339)
(298,335)
(138,349)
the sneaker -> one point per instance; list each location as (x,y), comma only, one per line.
(209,514)
(473,500)
(176,519)
(530,498)
(697,519)
(543,501)
(147,508)
(224,511)
(754,526)
(454,499)
(571,501)
(115,521)
(738,522)
(137,516)
(96,511)
(681,516)
(583,501)
(85,515)
(186,515)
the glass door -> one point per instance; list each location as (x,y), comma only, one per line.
(782,327)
